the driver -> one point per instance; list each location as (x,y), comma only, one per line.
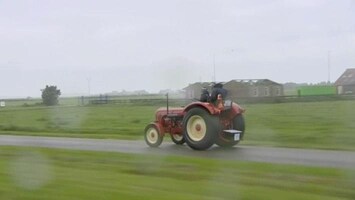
(216,90)
(205,95)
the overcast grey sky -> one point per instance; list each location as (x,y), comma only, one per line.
(160,44)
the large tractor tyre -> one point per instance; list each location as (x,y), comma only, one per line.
(178,139)
(200,129)
(152,136)
(225,140)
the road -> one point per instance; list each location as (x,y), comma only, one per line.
(325,158)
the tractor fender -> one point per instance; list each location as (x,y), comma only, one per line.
(237,109)
(207,106)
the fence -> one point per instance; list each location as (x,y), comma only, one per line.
(136,100)
(160,100)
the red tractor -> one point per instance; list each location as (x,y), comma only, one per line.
(200,124)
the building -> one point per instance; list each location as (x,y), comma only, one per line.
(239,88)
(193,91)
(316,90)
(346,82)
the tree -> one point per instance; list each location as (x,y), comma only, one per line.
(50,95)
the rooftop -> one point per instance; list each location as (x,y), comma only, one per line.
(347,78)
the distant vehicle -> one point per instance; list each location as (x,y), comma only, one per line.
(200,124)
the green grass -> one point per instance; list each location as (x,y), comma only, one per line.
(327,125)
(38,173)
(81,121)
(321,125)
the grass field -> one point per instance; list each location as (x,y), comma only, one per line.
(37,173)
(77,121)
(324,125)
(309,125)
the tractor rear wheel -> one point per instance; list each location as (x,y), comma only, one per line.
(200,129)
(152,136)
(178,139)
(225,140)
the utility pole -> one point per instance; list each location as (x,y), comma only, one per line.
(214,63)
(89,80)
(328,66)
(214,67)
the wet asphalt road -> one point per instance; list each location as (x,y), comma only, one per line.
(325,158)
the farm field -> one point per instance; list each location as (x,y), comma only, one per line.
(39,173)
(321,125)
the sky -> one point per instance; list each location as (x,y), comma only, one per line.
(99,46)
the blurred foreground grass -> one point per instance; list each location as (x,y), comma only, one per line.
(322,125)
(38,173)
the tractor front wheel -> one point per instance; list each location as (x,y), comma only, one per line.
(152,136)
(200,129)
